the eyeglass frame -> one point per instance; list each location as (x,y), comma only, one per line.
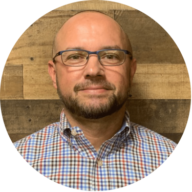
(92,52)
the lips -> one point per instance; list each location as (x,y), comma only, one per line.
(94,87)
(94,90)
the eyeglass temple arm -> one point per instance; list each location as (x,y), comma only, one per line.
(59,53)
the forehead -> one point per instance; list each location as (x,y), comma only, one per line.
(89,28)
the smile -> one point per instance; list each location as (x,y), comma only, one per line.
(95,89)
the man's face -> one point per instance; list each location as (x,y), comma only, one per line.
(92,91)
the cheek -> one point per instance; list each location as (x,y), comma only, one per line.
(119,77)
(67,79)
(125,76)
(66,85)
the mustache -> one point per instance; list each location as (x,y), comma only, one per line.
(102,83)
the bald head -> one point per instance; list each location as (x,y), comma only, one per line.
(90,24)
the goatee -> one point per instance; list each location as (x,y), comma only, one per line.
(92,111)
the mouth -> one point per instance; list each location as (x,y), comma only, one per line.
(95,89)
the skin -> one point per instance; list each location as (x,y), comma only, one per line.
(93,31)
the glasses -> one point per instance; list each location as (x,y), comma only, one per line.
(107,57)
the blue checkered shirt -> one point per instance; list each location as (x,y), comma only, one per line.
(63,154)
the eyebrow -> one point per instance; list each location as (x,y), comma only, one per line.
(74,48)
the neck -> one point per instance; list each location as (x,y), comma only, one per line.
(98,131)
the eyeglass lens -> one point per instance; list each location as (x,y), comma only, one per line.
(79,58)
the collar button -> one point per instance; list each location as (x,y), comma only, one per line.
(73,132)
(100,163)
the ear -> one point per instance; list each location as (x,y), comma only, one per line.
(133,67)
(52,72)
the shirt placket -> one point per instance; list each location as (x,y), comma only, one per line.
(99,177)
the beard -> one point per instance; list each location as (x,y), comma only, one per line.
(91,111)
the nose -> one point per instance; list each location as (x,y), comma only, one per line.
(93,68)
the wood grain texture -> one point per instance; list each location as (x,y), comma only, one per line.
(157,81)
(37,83)
(150,42)
(95,5)
(12,83)
(29,116)
(162,116)
(35,45)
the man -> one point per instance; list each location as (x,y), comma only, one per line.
(94,146)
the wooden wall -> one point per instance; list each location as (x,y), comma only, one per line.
(161,88)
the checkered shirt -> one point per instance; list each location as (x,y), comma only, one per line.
(70,160)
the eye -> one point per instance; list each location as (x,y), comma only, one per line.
(112,57)
(75,57)
(109,56)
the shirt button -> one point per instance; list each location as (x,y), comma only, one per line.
(100,163)
(73,132)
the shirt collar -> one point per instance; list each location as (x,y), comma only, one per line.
(84,147)
(65,125)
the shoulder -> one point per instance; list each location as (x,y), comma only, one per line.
(150,139)
(37,138)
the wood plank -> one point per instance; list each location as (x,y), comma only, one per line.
(35,44)
(12,82)
(162,116)
(151,43)
(30,54)
(29,116)
(152,81)
(95,5)
(37,83)
(157,81)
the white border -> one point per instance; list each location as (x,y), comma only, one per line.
(173,15)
